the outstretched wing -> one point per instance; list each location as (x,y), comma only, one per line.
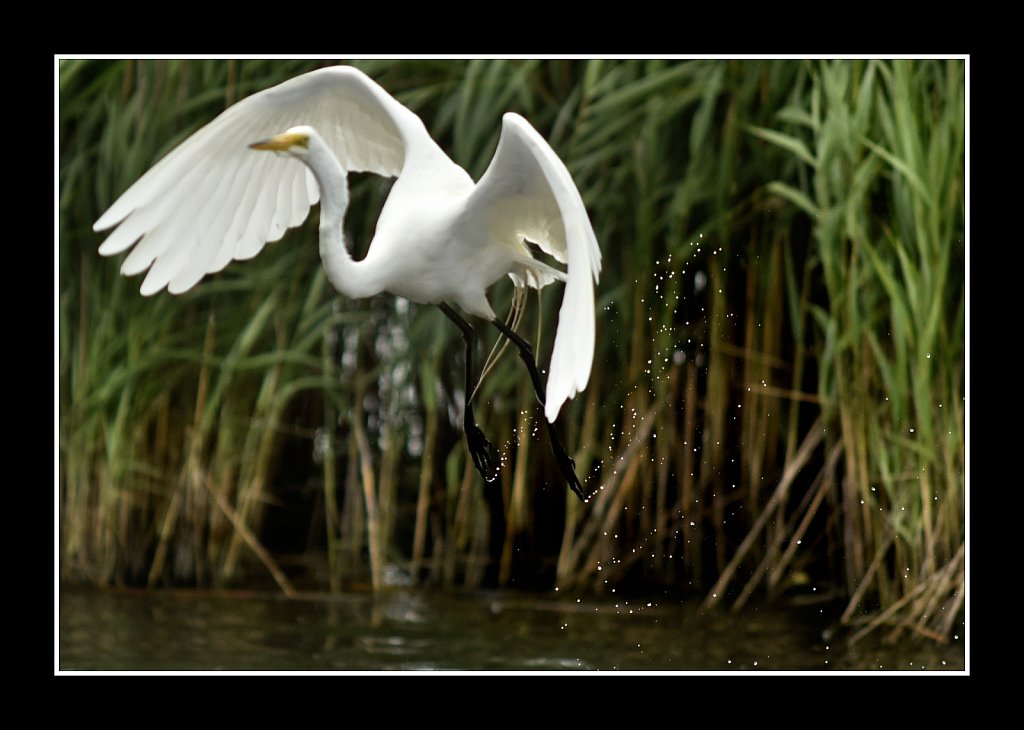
(213,200)
(527,192)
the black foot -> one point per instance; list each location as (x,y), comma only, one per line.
(485,456)
(568,467)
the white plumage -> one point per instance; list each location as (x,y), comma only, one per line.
(440,238)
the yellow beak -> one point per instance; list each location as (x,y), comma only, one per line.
(281,142)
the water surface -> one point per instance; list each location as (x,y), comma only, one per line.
(417,631)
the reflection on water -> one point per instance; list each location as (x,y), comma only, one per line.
(404,631)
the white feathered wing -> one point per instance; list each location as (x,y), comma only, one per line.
(212,200)
(527,193)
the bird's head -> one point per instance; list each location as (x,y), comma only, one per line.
(294,142)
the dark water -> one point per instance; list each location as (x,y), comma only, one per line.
(415,631)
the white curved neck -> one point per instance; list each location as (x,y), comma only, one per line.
(354,279)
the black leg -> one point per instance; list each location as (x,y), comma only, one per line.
(565,463)
(485,457)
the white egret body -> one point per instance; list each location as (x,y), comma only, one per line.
(440,238)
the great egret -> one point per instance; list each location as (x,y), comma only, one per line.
(440,238)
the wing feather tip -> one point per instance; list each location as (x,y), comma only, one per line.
(148,291)
(107,221)
(109,248)
(176,287)
(128,268)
